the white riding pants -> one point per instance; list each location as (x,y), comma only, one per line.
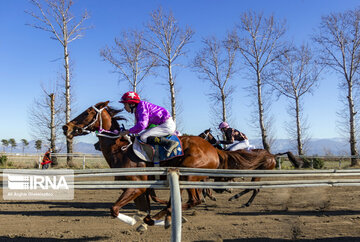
(166,128)
(237,145)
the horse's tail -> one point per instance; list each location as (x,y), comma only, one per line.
(297,162)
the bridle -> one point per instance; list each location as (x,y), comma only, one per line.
(206,135)
(103,132)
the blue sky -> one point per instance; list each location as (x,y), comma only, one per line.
(29,57)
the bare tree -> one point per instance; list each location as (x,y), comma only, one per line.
(167,41)
(45,118)
(295,75)
(130,58)
(55,17)
(215,63)
(260,44)
(339,39)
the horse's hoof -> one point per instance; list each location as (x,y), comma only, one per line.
(142,228)
(148,220)
(167,223)
(184,220)
(228,190)
(114,212)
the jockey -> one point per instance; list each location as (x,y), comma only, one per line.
(234,137)
(148,114)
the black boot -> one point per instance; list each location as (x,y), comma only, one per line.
(168,144)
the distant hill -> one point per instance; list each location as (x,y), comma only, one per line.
(80,147)
(335,146)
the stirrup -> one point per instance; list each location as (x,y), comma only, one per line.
(172,148)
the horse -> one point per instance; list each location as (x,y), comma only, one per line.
(253,159)
(198,153)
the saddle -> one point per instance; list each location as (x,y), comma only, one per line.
(156,153)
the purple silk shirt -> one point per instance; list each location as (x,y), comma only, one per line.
(147,113)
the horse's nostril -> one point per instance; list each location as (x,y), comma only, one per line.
(78,130)
(65,128)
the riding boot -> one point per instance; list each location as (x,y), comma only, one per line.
(169,145)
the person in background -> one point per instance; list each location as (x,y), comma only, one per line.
(47,159)
(234,138)
(152,122)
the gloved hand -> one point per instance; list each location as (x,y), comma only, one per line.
(123,133)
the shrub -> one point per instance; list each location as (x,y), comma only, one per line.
(3,160)
(317,163)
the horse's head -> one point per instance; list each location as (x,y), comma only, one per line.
(92,119)
(208,136)
(205,134)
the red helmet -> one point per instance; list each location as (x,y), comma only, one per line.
(130,97)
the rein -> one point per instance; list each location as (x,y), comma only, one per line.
(101,130)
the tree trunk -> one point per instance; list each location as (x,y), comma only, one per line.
(172,92)
(352,113)
(298,128)
(261,115)
(69,142)
(223,97)
(52,129)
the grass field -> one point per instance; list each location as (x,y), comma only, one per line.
(97,161)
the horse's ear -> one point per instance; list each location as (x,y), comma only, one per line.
(102,104)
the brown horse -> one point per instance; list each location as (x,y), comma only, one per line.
(255,159)
(198,153)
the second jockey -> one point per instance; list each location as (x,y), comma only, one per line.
(233,137)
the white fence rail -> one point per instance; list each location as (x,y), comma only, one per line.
(324,178)
(87,161)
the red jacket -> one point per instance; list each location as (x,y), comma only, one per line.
(46,159)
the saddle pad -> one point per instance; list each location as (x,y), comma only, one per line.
(146,152)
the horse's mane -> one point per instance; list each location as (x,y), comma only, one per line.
(114,112)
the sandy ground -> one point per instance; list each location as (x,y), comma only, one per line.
(304,214)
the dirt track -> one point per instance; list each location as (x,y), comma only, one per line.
(305,214)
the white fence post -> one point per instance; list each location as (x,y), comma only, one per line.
(84,162)
(173,177)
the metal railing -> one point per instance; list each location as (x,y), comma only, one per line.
(324,178)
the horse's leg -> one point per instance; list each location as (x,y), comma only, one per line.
(206,192)
(194,198)
(155,198)
(164,212)
(127,196)
(255,192)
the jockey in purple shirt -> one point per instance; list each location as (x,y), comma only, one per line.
(147,114)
